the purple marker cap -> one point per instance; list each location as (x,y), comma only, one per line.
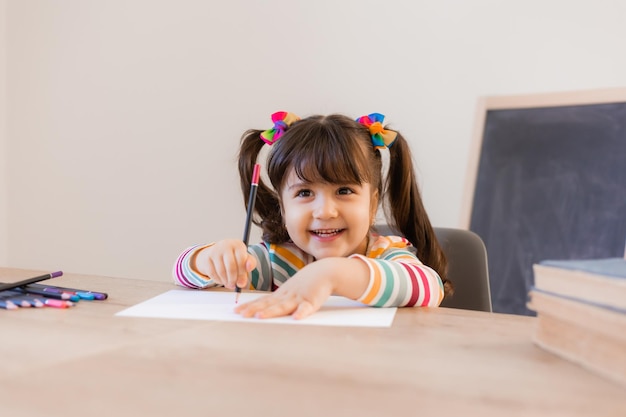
(56,274)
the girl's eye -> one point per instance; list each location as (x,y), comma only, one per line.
(345,191)
(304,193)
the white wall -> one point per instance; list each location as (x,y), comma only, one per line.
(3,138)
(124,115)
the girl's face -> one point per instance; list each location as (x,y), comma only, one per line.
(328,220)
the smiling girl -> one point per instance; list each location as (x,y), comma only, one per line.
(326,178)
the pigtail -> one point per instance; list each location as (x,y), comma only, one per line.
(267,213)
(408,214)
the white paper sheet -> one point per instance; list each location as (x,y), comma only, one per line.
(218,305)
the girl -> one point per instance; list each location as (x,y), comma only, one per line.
(316,206)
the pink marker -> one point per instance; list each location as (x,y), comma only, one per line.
(58,303)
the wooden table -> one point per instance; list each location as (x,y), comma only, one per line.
(84,361)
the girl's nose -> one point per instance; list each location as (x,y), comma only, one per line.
(325,208)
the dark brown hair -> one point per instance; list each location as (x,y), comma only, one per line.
(336,149)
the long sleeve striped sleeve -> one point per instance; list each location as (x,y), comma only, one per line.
(398,278)
(184,273)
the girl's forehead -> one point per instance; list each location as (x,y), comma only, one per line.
(293,179)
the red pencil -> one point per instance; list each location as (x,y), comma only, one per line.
(251,200)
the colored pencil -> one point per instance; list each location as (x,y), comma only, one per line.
(34,301)
(10,286)
(16,295)
(16,298)
(8,304)
(251,200)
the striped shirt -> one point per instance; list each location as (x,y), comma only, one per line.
(397,277)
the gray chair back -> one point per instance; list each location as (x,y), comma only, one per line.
(467,267)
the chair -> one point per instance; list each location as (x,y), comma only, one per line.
(467,267)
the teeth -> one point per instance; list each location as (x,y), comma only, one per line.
(326,232)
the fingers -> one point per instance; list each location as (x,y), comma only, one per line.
(300,296)
(250,264)
(305,309)
(268,307)
(228,264)
(277,306)
(236,266)
(223,269)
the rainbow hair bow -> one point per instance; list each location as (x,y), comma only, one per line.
(381,138)
(282,120)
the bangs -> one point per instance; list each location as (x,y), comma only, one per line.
(331,150)
(332,159)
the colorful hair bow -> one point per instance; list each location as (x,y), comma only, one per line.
(282,120)
(381,138)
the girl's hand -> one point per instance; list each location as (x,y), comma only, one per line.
(302,295)
(305,292)
(227,262)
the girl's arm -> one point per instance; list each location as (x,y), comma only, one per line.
(305,292)
(185,272)
(399,279)
(390,276)
(227,262)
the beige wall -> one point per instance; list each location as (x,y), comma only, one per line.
(3,139)
(124,116)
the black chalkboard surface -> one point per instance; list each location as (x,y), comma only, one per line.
(550,183)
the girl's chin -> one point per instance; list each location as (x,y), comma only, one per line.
(328,253)
(334,249)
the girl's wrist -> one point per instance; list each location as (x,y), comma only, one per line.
(198,259)
(349,277)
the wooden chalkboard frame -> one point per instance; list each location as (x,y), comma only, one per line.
(519,102)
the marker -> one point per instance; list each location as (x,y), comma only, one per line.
(254,184)
(8,294)
(58,303)
(12,285)
(48,294)
(81,293)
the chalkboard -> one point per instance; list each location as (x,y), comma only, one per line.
(549,183)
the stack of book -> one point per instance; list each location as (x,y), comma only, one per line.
(581,312)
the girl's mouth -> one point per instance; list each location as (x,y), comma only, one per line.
(325,233)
